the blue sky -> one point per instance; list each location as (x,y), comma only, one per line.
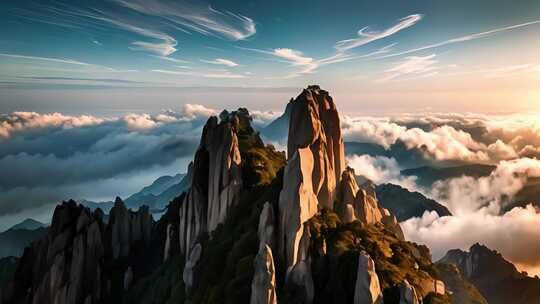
(102,56)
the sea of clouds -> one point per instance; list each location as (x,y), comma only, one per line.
(479,205)
(49,157)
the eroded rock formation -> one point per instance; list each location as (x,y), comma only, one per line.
(407,294)
(367,289)
(315,161)
(354,202)
(191,262)
(216,180)
(263,286)
(72,263)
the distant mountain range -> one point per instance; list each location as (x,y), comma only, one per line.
(497,279)
(29,224)
(428,175)
(405,204)
(13,240)
(156,196)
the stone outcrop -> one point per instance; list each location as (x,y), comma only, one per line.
(367,289)
(407,294)
(263,286)
(354,202)
(128,227)
(315,161)
(191,262)
(216,180)
(72,263)
(266,229)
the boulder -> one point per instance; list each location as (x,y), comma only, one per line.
(263,286)
(367,289)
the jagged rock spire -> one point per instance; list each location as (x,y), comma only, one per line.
(216,179)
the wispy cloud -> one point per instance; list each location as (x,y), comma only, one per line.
(221,61)
(415,65)
(196,17)
(365,35)
(57,60)
(225,74)
(463,38)
(171,59)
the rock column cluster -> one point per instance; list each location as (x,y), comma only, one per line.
(72,263)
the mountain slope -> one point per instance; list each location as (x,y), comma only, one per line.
(428,175)
(13,241)
(406,204)
(29,224)
(497,279)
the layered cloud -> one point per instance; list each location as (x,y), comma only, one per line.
(380,170)
(53,156)
(477,206)
(451,137)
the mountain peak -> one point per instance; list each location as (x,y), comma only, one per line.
(28,224)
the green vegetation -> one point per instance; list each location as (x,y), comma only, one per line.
(334,274)
(260,163)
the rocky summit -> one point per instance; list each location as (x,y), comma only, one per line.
(255,225)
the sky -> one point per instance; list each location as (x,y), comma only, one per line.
(116,56)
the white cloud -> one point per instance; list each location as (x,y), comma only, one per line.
(57,60)
(380,170)
(221,61)
(176,60)
(224,74)
(464,38)
(24,121)
(412,65)
(365,35)
(476,204)
(197,17)
(295,57)
(447,139)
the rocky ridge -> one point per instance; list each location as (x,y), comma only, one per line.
(73,263)
(497,279)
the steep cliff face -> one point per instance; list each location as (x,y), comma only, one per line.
(497,279)
(315,161)
(216,180)
(72,264)
(367,289)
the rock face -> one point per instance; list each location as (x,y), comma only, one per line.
(216,180)
(367,289)
(263,287)
(356,203)
(266,230)
(315,161)
(407,294)
(191,262)
(71,264)
(128,227)
(460,289)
